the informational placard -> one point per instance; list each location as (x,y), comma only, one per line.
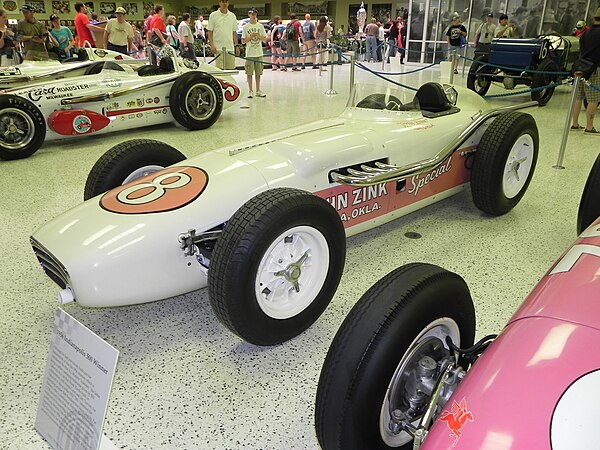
(76,386)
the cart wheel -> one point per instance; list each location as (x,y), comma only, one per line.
(504,162)
(22,127)
(277,265)
(589,206)
(369,368)
(479,79)
(128,161)
(196,100)
(544,79)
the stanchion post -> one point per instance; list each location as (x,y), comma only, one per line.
(384,51)
(223,58)
(452,60)
(331,91)
(563,143)
(352,67)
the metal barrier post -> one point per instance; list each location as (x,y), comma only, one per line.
(352,67)
(331,91)
(223,58)
(563,143)
(452,60)
(384,54)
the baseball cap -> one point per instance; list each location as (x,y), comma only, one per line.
(252,11)
(580,24)
(27,8)
(120,10)
(490,15)
(53,17)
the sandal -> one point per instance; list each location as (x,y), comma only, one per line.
(576,127)
(592,131)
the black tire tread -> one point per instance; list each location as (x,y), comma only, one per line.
(488,158)
(589,206)
(541,79)
(236,241)
(39,124)
(98,180)
(472,75)
(177,95)
(372,318)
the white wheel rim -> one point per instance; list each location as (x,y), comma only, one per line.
(298,257)
(439,328)
(142,172)
(518,166)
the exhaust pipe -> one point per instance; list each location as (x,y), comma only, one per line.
(65,296)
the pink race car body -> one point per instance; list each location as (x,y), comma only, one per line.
(536,386)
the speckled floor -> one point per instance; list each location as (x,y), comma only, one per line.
(185,382)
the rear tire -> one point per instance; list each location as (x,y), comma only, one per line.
(504,163)
(196,100)
(393,318)
(128,161)
(543,79)
(589,206)
(476,80)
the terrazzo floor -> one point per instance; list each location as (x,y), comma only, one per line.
(185,382)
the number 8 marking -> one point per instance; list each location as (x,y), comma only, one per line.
(156,186)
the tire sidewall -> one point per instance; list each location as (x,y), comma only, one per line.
(39,124)
(541,79)
(589,206)
(476,68)
(179,91)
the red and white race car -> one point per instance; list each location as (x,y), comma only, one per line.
(403,372)
(263,223)
(117,96)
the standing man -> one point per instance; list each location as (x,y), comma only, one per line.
(485,34)
(33,34)
(118,34)
(222,33)
(393,33)
(505,29)
(456,35)
(253,35)
(372,32)
(83,26)
(199,27)
(308,31)
(589,45)
(295,38)
(186,38)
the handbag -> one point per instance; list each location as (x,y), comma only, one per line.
(155,40)
(584,65)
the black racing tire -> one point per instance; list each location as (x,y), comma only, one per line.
(238,275)
(476,79)
(386,325)
(94,68)
(589,206)
(129,161)
(504,162)
(22,127)
(188,91)
(543,79)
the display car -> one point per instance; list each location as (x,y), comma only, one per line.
(119,97)
(88,61)
(508,60)
(263,223)
(403,372)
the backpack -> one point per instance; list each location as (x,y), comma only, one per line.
(290,32)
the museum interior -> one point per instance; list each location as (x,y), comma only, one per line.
(183,379)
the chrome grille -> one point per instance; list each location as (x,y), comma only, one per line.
(53,268)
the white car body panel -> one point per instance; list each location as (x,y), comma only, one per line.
(118,259)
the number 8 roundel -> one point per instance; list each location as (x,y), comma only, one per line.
(160,191)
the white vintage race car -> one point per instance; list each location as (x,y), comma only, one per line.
(272,253)
(88,61)
(119,97)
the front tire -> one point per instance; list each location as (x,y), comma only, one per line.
(277,265)
(22,127)
(589,206)
(196,100)
(544,79)
(397,317)
(128,161)
(504,163)
(479,79)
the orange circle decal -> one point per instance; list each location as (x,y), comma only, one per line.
(160,191)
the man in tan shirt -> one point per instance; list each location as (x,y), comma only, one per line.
(118,34)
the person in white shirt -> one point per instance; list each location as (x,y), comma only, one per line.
(118,34)
(253,35)
(504,28)
(186,38)
(199,26)
(222,33)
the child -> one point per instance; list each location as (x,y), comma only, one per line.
(253,35)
